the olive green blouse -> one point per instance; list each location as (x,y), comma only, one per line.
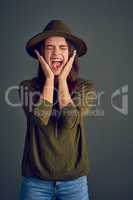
(56,149)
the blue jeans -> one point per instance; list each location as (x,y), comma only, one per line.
(37,189)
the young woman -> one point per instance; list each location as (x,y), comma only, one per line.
(55,161)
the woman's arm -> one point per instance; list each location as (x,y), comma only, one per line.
(70,116)
(39,111)
(48,90)
(64,95)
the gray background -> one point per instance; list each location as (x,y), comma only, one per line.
(106,26)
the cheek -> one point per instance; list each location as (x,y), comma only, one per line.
(66,56)
(47,56)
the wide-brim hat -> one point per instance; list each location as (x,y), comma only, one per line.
(55,28)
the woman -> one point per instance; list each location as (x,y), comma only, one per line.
(55,161)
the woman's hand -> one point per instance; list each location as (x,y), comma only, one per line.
(45,67)
(65,71)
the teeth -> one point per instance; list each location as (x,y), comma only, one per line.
(56,60)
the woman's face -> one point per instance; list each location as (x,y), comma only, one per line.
(56,53)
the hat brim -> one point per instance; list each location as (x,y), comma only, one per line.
(35,42)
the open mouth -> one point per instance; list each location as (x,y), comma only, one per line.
(56,64)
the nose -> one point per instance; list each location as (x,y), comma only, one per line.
(56,51)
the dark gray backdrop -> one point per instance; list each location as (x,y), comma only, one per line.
(106,26)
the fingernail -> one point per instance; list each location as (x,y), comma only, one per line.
(35,51)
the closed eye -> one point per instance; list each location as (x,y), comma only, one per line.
(63,48)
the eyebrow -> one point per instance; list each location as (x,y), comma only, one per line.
(62,45)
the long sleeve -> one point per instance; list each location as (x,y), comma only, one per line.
(83,102)
(87,92)
(40,112)
(70,116)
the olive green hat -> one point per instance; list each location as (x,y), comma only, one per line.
(55,28)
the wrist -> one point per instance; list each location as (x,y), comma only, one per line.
(62,80)
(49,84)
(50,80)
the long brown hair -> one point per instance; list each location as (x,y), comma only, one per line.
(72,77)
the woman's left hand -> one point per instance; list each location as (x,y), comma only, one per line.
(65,71)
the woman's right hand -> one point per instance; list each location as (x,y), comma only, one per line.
(45,67)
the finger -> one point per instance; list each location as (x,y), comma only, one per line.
(38,54)
(72,57)
(44,64)
(35,51)
(74,54)
(41,59)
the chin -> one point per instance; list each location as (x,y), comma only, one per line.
(56,73)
